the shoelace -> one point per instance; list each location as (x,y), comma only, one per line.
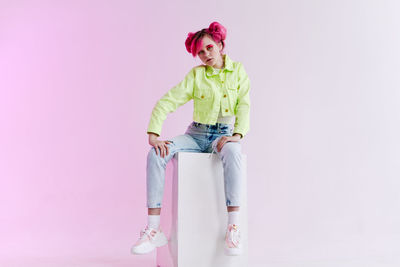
(212,152)
(234,235)
(148,232)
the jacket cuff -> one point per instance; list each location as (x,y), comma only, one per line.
(154,130)
(154,133)
(241,135)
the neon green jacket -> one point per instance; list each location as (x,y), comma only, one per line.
(211,89)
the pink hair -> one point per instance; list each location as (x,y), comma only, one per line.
(194,41)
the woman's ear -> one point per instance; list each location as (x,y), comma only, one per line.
(220,46)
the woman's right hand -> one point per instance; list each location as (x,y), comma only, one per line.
(159,145)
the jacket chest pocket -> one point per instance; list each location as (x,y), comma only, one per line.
(232,92)
(202,94)
(202,99)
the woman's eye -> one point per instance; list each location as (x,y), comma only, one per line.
(209,48)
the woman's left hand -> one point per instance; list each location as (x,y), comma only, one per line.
(225,139)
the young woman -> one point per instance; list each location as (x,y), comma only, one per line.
(220,91)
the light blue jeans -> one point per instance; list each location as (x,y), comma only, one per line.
(198,138)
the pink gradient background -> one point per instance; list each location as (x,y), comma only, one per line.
(78,80)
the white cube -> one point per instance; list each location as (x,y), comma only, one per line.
(199,215)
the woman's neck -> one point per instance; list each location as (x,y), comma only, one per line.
(222,63)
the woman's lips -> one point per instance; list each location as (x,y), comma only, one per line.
(209,59)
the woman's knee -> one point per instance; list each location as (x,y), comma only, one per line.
(151,155)
(156,155)
(232,148)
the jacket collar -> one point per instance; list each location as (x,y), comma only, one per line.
(210,71)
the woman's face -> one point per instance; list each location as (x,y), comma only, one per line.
(210,53)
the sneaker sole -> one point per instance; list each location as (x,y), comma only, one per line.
(161,242)
(233,251)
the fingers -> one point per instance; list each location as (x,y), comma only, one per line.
(158,149)
(161,148)
(220,145)
(167,148)
(222,142)
(167,142)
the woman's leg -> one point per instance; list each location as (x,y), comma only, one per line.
(230,156)
(232,208)
(156,170)
(152,236)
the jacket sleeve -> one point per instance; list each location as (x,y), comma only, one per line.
(242,109)
(174,98)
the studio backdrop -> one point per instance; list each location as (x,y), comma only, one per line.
(79,79)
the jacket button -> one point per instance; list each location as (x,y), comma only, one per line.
(224,95)
(202,96)
(226,110)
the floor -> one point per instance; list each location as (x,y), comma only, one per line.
(148,261)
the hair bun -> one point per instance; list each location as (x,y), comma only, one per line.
(217,31)
(188,42)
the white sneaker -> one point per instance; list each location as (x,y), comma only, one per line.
(233,245)
(149,239)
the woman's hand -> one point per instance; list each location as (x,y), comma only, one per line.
(225,139)
(159,145)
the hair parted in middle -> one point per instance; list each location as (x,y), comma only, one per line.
(194,41)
